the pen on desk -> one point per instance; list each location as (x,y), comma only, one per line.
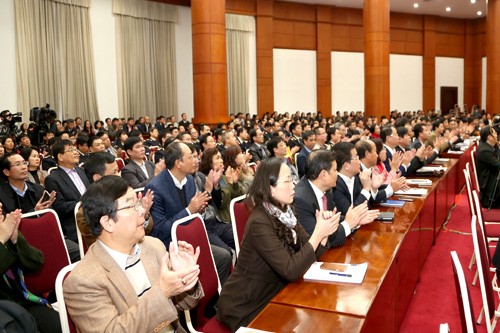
(340,274)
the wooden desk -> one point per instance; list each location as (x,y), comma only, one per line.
(285,319)
(396,253)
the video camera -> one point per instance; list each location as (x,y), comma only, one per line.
(43,117)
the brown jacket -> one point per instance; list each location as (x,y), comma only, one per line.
(100,298)
(264,268)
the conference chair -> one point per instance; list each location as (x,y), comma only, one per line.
(120,162)
(253,166)
(81,244)
(51,169)
(239,217)
(487,292)
(488,216)
(192,230)
(463,297)
(42,230)
(67,325)
(152,151)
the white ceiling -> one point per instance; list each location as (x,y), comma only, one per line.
(459,8)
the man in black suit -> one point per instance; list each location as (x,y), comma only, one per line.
(257,148)
(353,187)
(184,121)
(17,193)
(145,126)
(69,182)
(488,167)
(138,172)
(313,193)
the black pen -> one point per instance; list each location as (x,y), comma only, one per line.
(340,274)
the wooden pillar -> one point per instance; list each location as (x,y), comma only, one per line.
(429,64)
(264,36)
(209,61)
(324,59)
(472,66)
(376,18)
(493,57)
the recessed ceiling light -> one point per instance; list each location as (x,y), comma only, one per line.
(472,1)
(415,5)
(479,13)
(448,9)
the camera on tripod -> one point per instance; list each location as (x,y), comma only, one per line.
(43,117)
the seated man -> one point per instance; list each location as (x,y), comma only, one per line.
(313,193)
(354,188)
(309,139)
(18,193)
(127,282)
(16,256)
(488,167)
(138,172)
(175,197)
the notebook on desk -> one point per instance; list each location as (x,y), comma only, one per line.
(336,272)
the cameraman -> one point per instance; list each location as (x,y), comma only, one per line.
(488,166)
(8,123)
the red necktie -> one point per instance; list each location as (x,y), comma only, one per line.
(325,204)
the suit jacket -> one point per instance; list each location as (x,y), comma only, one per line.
(488,167)
(387,163)
(100,298)
(256,152)
(264,267)
(301,161)
(167,205)
(306,206)
(134,175)
(342,197)
(66,198)
(417,144)
(9,201)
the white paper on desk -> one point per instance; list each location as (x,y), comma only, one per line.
(412,191)
(354,273)
(419,181)
(432,169)
(243,329)
(441,160)
(455,152)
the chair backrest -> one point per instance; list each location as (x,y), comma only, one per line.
(295,160)
(475,181)
(463,296)
(479,216)
(192,230)
(42,230)
(81,244)
(253,166)
(120,162)
(67,325)
(152,151)
(239,217)
(482,261)
(139,190)
(51,169)
(469,188)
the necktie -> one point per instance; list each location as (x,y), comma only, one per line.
(325,204)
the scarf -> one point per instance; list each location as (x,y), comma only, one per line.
(287,217)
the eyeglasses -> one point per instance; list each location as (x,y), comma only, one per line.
(70,150)
(136,206)
(288,182)
(25,163)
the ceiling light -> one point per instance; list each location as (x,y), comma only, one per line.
(472,1)
(479,13)
(448,9)
(415,5)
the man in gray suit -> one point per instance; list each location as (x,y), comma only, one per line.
(138,172)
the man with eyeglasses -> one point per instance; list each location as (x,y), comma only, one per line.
(18,193)
(69,182)
(128,282)
(138,172)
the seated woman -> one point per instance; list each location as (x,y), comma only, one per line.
(16,256)
(382,157)
(275,248)
(8,144)
(35,175)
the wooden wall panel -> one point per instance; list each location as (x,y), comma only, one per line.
(294,11)
(242,7)
(450,45)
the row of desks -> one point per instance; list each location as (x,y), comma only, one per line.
(395,252)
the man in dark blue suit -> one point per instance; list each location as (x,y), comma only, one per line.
(313,193)
(175,197)
(309,139)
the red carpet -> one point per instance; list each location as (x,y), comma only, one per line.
(435,299)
